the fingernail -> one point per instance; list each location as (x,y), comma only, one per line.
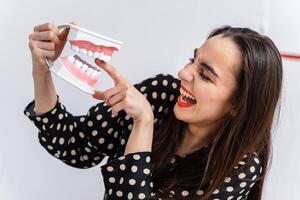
(99,61)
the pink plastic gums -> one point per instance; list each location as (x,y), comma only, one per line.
(93,47)
(78,73)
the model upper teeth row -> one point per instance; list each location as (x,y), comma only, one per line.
(90,53)
(94,74)
(186,94)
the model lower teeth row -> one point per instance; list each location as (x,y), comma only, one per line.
(90,53)
(94,74)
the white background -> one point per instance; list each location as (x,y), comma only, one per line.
(283,27)
(159,37)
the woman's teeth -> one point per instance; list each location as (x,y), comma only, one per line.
(186,94)
(187,98)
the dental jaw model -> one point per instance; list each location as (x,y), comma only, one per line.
(83,45)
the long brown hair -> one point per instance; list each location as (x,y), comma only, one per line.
(255,102)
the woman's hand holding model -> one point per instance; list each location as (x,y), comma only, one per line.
(45,42)
(124,96)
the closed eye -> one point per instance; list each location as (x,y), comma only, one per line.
(205,78)
(201,72)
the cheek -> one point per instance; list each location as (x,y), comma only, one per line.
(212,102)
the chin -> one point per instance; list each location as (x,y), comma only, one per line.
(179,114)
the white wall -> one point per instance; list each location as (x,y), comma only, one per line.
(283,27)
(158,36)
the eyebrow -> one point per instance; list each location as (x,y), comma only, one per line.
(208,67)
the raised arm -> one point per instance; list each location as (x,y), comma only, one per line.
(83,141)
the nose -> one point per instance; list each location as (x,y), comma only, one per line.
(185,74)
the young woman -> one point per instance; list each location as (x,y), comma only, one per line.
(205,135)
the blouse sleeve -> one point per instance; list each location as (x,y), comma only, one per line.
(83,141)
(242,179)
(129,177)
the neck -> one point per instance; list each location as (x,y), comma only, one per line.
(195,138)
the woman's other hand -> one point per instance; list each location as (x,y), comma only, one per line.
(124,96)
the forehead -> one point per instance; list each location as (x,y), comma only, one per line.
(222,54)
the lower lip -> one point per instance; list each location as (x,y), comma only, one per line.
(182,103)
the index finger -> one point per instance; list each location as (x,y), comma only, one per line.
(112,72)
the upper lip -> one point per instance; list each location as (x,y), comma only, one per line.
(185,89)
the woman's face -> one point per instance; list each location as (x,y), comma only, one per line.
(210,79)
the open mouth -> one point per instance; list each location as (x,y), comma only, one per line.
(80,68)
(185,99)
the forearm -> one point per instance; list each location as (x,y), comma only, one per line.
(140,138)
(44,93)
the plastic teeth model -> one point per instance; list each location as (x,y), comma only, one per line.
(83,46)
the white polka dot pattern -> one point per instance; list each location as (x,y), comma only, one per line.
(135,177)
(83,141)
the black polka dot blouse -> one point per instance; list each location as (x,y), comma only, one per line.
(83,141)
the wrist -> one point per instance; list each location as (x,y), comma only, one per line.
(144,119)
(41,76)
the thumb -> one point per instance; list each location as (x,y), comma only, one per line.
(64,34)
